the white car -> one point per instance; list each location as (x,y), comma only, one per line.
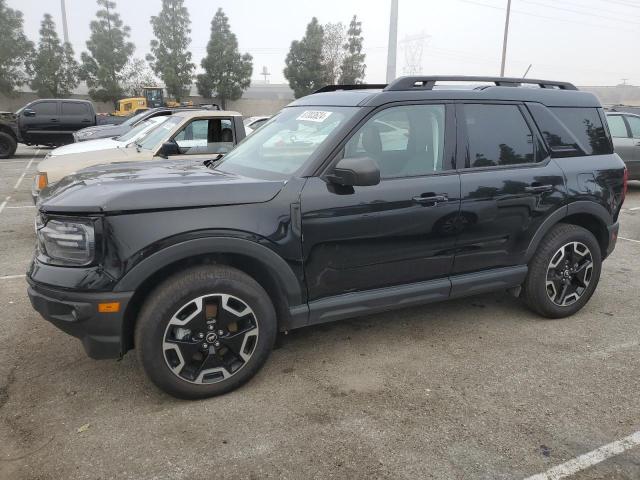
(122,141)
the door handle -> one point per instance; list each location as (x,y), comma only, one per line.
(54,120)
(637,144)
(86,120)
(430,199)
(538,188)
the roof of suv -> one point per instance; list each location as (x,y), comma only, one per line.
(549,93)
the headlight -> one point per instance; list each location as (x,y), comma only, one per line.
(67,242)
(84,134)
(40,181)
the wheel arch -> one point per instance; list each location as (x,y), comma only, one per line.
(8,130)
(589,215)
(257,261)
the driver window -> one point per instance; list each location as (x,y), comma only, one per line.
(405,141)
(204,136)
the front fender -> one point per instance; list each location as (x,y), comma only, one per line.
(214,245)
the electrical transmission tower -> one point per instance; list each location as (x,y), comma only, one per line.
(413,47)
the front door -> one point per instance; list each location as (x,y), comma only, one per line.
(399,231)
(634,164)
(40,122)
(203,138)
(509,186)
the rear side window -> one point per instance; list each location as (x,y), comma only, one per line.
(74,108)
(617,127)
(497,135)
(586,126)
(45,108)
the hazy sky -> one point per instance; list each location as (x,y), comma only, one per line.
(589,42)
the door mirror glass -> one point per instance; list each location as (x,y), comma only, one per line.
(355,172)
(168,149)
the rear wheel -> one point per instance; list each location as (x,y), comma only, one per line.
(564,272)
(205,331)
(8,145)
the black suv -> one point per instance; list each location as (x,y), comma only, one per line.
(349,201)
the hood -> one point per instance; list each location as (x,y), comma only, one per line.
(153,186)
(59,166)
(88,146)
(102,131)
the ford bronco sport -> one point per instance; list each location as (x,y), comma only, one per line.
(350,201)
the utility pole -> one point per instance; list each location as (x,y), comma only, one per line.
(65,31)
(506,36)
(393,42)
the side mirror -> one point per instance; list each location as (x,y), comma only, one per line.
(355,172)
(27,112)
(169,148)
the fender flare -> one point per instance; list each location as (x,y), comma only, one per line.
(213,245)
(591,208)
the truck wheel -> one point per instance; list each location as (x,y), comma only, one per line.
(564,272)
(205,331)
(8,145)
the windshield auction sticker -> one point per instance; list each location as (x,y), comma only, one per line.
(314,116)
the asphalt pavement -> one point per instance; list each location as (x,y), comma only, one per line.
(477,388)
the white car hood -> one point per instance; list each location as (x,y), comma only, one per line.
(88,146)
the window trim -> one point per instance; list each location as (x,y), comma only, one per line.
(449,143)
(628,124)
(540,152)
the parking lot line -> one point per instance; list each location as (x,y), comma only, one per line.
(4,204)
(634,209)
(629,239)
(24,172)
(589,459)
(11,277)
(21,206)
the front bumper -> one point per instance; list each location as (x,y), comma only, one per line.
(76,313)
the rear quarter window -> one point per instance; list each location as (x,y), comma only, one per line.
(586,126)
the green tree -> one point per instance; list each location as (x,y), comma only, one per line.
(15,49)
(108,53)
(53,70)
(169,57)
(333,51)
(353,67)
(305,69)
(227,73)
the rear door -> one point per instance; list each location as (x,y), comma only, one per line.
(509,185)
(74,116)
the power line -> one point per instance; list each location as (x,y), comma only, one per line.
(579,12)
(562,20)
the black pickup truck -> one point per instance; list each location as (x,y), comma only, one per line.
(47,122)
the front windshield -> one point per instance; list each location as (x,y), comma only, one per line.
(282,145)
(134,119)
(157,135)
(142,127)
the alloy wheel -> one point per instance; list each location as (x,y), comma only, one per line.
(569,273)
(210,338)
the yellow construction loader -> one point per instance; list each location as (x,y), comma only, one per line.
(152,97)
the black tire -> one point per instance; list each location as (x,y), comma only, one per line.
(179,292)
(8,145)
(537,291)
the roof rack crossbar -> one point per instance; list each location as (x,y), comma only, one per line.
(361,86)
(427,83)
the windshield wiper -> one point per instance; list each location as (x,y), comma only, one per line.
(213,162)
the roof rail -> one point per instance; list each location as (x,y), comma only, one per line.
(361,86)
(427,83)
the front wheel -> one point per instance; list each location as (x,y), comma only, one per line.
(564,272)
(205,331)
(8,145)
